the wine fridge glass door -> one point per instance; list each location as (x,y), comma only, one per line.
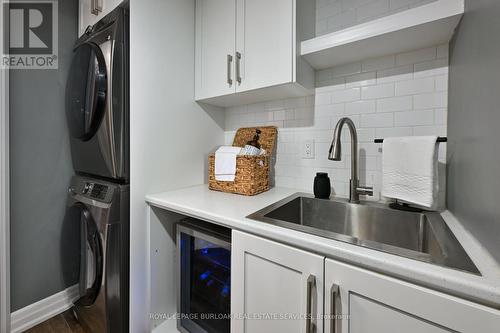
(205,281)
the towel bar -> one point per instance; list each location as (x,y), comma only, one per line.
(439,139)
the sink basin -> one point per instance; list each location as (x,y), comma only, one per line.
(420,236)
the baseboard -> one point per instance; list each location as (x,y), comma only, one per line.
(36,313)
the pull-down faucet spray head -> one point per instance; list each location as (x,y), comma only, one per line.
(335,153)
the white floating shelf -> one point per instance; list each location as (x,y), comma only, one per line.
(415,28)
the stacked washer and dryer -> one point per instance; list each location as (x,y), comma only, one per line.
(97,110)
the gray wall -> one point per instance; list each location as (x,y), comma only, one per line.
(474,123)
(44,248)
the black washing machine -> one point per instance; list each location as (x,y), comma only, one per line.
(97,99)
(101,211)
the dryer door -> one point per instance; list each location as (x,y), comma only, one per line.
(91,262)
(86,91)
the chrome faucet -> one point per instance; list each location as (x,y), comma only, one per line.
(335,154)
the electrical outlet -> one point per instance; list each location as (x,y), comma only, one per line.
(308,149)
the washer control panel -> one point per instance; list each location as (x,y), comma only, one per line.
(93,190)
(98,191)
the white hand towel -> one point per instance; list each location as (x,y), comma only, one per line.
(410,170)
(225,163)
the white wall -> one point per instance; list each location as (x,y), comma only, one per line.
(398,95)
(170,134)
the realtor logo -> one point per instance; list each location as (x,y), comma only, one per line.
(32,34)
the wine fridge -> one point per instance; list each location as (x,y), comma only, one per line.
(204,277)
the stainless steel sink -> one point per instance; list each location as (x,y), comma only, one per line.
(420,236)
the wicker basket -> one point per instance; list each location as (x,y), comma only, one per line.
(252,172)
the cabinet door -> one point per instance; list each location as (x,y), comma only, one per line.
(274,287)
(265,39)
(109,5)
(85,17)
(215,45)
(367,302)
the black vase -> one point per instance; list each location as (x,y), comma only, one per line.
(322,188)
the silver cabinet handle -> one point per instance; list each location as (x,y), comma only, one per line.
(96,7)
(238,67)
(310,325)
(333,308)
(229,65)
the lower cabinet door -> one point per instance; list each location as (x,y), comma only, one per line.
(361,301)
(274,288)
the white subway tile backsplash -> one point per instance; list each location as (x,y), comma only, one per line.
(264,116)
(432,100)
(378,63)
(330,110)
(372,10)
(378,91)
(247,117)
(324,75)
(279,115)
(417,86)
(393,132)
(300,102)
(382,97)
(329,10)
(303,113)
(442,83)
(321,27)
(394,104)
(345,70)
(440,116)
(429,130)
(342,20)
(443,51)
(341,14)
(360,80)
(353,4)
(416,56)
(360,107)
(395,74)
(347,95)
(366,134)
(274,105)
(377,120)
(323,99)
(414,118)
(395,4)
(431,68)
(322,123)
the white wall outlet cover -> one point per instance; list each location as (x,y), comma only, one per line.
(307,149)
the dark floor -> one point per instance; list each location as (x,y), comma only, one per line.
(63,323)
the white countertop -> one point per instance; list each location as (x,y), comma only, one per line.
(230,210)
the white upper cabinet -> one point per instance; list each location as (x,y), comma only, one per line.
(215,48)
(249,50)
(265,30)
(368,302)
(86,15)
(272,279)
(91,11)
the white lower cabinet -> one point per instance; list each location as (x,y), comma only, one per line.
(274,286)
(273,283)
(368,302)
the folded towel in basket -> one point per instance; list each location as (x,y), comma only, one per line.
(225,163)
